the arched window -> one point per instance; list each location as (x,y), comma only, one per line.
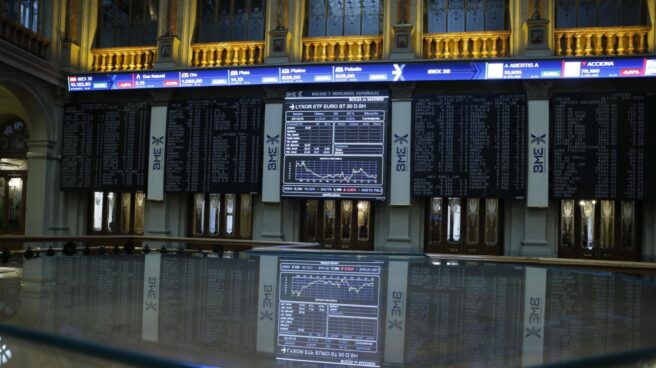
(600,13)
(343,17)
(230,20)
(441,16)
(127,23)
(13,176)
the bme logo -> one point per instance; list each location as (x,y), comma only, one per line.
(401,152)
(272,163)
(538,152)
(157,152)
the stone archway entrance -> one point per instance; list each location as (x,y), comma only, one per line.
(26,205)
(13,175)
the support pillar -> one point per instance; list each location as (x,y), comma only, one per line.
(649,231)
(41,191)
(70,52)
(278,37)
(536,213)
(168,43)
(270,216)
(37,293)
(397,220)
(403,27)
(159,204)
(296,24)
(537,29)
(651,10)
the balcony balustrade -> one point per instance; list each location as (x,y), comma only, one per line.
(207,55)
(123,58)
(464,45)
(345,48)
(598,41)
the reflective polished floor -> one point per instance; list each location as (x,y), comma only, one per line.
(287,308)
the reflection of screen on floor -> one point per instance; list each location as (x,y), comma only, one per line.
(329,312)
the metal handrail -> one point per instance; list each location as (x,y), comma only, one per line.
(598,264)
(115,240)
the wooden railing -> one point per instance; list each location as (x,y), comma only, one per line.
(22,37)
(123,58)
(463,45)
(601,41)
(227,53)
(346,48)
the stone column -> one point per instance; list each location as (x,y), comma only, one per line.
(403,27)
(651,41)
(537,32)
(70,53)
(168,43)
(536,212)
(37,293)
(186,22)
(278,37)
(41,189)
(89,24)
(648,232)
(296,24)
(71,28)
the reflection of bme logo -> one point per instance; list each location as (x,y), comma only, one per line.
(5,354)
(397,304)
(535,318)
(267,303)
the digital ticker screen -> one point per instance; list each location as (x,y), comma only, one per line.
(329,312)
(553,69)
(334,144)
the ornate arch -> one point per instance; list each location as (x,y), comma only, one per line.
(30,104)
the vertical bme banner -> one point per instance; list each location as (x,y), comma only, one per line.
(335,144)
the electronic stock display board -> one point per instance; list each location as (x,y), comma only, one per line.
(603,144)
(214,145)
(329,312)
(105,146)
(579,68)
(334,144)
(469,145)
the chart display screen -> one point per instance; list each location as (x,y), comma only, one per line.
(329,312)
(334,144)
